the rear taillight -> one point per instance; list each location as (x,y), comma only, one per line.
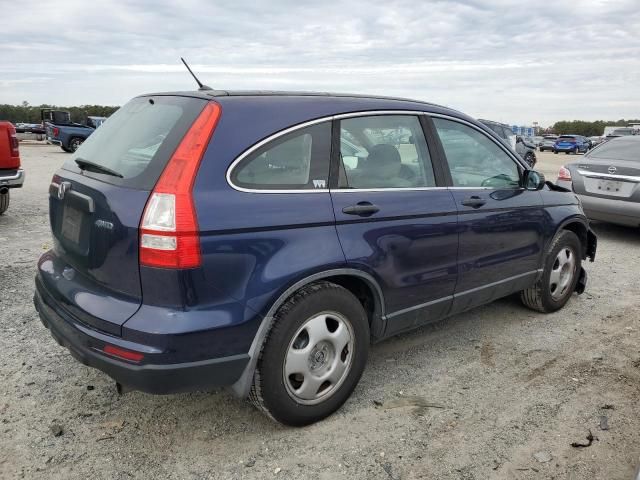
(56,131)
(13,143)
(564,174)
(169,236)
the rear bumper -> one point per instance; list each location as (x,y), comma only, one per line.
(613,211)
(616,211)
(53,141)
(86,345)
(12,178)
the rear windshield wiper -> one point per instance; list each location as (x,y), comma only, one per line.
(87,165)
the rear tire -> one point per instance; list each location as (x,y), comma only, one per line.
(559,277)
(75,143)
(66,149)
(555,151)
(313,357)
(4,202)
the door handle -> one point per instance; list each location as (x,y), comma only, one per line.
(474,201)
(363,209)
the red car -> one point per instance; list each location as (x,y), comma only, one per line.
(11,175)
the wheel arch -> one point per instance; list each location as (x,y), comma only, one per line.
(363,285)
(579,226)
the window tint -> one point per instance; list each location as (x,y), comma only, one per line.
(297,161)
(138,140)
(384,151)
(474,159)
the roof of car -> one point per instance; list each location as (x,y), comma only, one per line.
(208,94)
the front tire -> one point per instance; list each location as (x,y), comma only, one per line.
(4,202)
(559,277)
(313,356)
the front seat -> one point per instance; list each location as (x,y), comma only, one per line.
(383,168)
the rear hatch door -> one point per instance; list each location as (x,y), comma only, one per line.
(96,201)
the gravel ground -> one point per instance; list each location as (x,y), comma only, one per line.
(498,392)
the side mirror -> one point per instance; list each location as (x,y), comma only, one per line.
(533,180)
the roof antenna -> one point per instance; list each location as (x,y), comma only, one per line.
(200,84)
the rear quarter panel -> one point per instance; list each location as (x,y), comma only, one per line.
(256,245)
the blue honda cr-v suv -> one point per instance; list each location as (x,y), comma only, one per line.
(235,238)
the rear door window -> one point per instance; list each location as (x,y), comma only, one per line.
(384,151)
(296,161)
(137,141)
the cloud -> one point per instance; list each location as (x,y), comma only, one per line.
(490,59)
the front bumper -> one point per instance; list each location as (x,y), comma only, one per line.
(86,345)
(12,178)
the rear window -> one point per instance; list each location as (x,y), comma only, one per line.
(566,138)
(625,149)
(137,141)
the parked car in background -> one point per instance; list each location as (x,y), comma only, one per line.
(61,131)
(537,140)
(522,147)
(548,141)
(95,122)
(200,240)
(49,115)
(571,144)
(624,131)
(526,149)
(607,180)
(36,128)
(11,175)
(502,130)
(595,141)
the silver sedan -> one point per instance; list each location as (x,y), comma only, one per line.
(607,181)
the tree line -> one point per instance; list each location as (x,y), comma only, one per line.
(26,113)
(587,129)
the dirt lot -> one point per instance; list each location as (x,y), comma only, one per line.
(512,389)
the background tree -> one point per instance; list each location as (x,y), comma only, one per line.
(25,113)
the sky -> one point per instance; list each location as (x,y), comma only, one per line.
(515,62)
